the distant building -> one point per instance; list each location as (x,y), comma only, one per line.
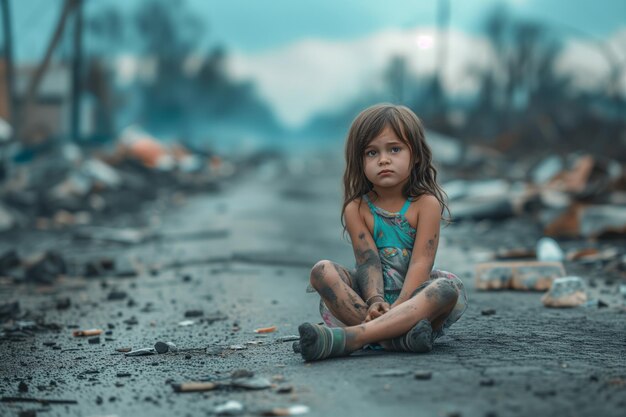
(49,115)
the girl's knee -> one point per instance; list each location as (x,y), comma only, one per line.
(319,272)
(443,291)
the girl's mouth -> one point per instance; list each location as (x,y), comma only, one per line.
(385,172)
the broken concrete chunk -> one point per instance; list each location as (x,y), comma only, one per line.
(530,276)
(565,292)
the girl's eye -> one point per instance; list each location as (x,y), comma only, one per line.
(370,153)
(395,149)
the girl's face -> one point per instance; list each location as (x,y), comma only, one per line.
(387,160)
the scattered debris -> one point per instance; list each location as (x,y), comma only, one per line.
(265,329)
(229,408)
(141,352)
(289,338)
(488,312)
(549,250)
(251,383)
(164,347)
(186,323)
(294,410)
(528,275)
(90,332)
(565,292)
(194,313)
(423,375)
(194,386)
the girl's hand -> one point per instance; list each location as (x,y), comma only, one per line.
(376,310)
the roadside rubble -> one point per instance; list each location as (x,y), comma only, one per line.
(572,196)
(576,200)
(57,185)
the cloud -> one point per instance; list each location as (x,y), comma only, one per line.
(319,75)
(590,61)
(310,76)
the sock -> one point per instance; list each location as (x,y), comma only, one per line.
(419,339)
(296,347)
(321,342)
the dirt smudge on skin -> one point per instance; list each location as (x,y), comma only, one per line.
(442,291)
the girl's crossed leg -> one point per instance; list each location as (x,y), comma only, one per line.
(406,327)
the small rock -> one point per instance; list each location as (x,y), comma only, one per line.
(237,347)
(230,408)
(285,390)
(423,375)
(123,374)
(116,295)
(63,303)
(164,347)
(123,349)
(487,382)
(22,387)
(194,313)
(488,312)
(549,250)
(99,400)
(241,373)
(94,340)
(565,292)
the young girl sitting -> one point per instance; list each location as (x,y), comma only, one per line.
(392,209)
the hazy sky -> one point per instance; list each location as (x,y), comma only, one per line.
(257,25)
(307,56)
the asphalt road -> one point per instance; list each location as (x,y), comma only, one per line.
(524,360)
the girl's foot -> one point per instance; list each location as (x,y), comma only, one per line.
(321,342)
(419,339)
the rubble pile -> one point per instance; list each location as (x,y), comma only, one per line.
(578,199)
(62,185)
(570,197)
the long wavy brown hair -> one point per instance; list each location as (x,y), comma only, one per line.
(408,127)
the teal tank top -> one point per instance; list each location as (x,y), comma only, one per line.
(394,237)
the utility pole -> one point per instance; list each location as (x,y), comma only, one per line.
(443,22)
(8,58)
(77,79)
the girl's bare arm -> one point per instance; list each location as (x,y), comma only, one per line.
(369,275)
(424,248)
